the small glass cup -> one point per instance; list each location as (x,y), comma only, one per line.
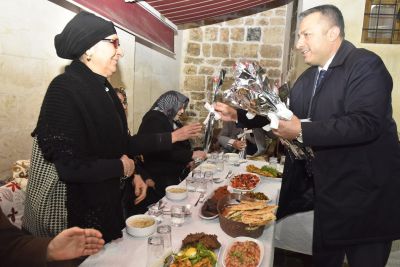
(213,157)
(201,185)
(273,162)
(165,232)
(196,173)
(208,175)
(156,213)
(220,165)
(225,157)
(190,184)
(177,215)
(155,250)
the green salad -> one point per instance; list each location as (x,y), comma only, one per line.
(196,254)
(271,170)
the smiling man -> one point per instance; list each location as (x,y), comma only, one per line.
(353,182)
(344,99)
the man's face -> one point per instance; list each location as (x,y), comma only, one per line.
(314,41)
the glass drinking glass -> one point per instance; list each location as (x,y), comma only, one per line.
(201,185)
(190,184)
(220,165)
(213,157)
(165,232)
(156,213)
(273,162)
(155,251)
(177,215)
(225,157)
(196,173)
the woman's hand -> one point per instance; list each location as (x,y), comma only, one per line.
(140,188)
(186,132)
(227,113)
(199,154)
(150,183)
(129,165)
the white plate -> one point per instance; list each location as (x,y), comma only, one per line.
(207,218)
(242,239)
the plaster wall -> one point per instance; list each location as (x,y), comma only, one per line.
(28,62)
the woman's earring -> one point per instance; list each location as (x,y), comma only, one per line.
(89,57)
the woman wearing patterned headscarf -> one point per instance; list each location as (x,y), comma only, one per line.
(169,167)
(82,153)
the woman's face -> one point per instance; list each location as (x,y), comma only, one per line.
(180,112)
(105,56)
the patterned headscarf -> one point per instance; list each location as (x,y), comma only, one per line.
(170,103)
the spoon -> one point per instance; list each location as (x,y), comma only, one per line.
(229,174)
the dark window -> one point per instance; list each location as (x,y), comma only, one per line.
(381,22)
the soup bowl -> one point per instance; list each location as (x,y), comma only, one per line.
(176,192)
(140,225)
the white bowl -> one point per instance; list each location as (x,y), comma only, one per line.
(242,239)
(170,192)
(134,230)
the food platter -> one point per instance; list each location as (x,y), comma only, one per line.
(198,249)
(266,171)
(244,182)
(235,256)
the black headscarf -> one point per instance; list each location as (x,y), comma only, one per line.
(81,33)
(170,103)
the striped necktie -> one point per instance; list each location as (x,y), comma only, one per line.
(321,75)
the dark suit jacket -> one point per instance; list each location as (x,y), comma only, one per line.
(19,249)
(356,170)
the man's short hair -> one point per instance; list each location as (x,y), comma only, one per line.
(329,11)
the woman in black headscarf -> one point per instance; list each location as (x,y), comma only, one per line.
(168,167)
(82,153)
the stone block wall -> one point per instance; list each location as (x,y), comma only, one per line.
(209,47)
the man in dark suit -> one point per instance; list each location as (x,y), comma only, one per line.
(353,183)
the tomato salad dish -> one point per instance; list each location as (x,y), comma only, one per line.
(245,181)
(243,254)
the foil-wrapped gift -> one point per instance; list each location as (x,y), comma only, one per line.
(251,91)
(212,115)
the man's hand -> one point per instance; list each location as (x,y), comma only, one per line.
(227,112)
(288,129)
(140,188)
(129,165)
(73,243)
(186,132)
(239,145)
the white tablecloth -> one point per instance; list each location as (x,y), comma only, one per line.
(131,251)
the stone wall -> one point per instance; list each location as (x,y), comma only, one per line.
(209,47)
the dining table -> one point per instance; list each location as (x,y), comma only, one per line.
(132,251)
